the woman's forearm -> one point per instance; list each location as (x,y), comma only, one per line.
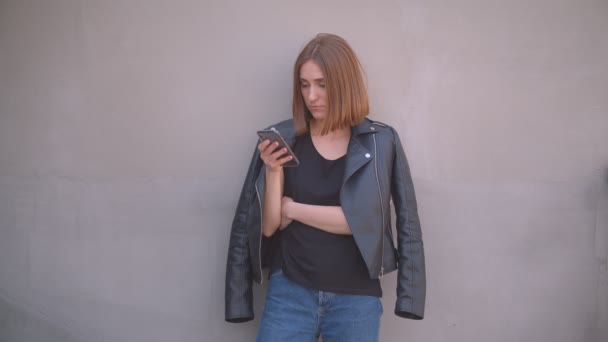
(273,191)
(328,218)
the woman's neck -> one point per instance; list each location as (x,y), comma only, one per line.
(315,130)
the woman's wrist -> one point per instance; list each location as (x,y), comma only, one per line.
(273,173)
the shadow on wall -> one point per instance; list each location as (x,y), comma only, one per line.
(20,324)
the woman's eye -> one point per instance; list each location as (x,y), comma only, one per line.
(304,85)
(322,85)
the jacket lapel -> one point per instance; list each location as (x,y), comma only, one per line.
(357,154)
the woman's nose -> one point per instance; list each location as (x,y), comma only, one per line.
(312,94)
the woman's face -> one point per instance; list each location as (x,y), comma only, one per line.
(312,85)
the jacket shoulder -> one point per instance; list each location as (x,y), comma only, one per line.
(379,125)
(383,128)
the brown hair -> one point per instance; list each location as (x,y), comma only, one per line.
(347,99)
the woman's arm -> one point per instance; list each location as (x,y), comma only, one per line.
(273,192)
(328,218)
(273,188)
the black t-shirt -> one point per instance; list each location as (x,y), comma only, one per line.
(312,257)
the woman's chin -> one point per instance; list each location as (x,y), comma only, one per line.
(318,116)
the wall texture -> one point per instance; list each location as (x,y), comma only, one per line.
(126,127)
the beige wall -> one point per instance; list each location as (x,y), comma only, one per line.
(126,128)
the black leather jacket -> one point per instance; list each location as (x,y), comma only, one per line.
(376,170)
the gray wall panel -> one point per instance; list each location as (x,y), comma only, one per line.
(118,181)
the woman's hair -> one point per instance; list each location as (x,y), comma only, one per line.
(347,99)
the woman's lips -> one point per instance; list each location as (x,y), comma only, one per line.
(316,107)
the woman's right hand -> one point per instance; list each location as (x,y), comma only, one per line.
(273,160)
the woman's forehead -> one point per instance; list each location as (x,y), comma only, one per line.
(311,71)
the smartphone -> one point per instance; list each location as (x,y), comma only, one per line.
(273,135)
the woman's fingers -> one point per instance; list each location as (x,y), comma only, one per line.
(276,154)
(284,160)
(267,149)
(264,145)
(272,158)
(278,159)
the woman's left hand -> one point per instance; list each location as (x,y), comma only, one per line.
(286,203)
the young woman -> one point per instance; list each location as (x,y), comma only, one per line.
(324,227)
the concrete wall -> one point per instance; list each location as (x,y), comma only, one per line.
(118,184)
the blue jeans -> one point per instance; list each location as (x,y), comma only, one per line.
(294,313)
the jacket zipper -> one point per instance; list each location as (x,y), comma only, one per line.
(261,233)
(381,207)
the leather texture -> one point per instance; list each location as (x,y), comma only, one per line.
(376,174)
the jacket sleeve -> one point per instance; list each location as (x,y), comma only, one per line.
(411,277)
(239,294)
